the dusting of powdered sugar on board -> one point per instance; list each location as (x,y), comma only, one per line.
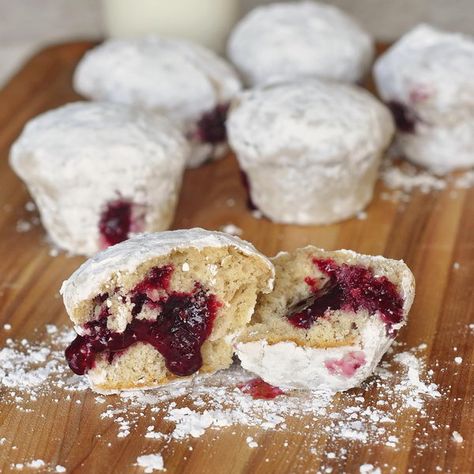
(203,408)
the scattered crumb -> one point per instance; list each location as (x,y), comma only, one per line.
(23,226)
(151,462)
(7,327)
(251,442)
(403,178)
(53,251)
(456,437)
(231,229)
(185,267)
(456,265)
(361,215)
(30,206)
(59,468)
(36,464)
(369,469)
(51,328)
(257,214)
(458,360)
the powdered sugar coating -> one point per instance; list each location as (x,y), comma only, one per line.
(311,149)
(77,158)
(430,72)
(171,76)
(288,365)
(286,41)
(128,255)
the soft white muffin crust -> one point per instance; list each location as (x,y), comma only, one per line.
(311,149)
(291,366)
(286,41)
(178,78)
(126,257)
(430,72)
(78,157)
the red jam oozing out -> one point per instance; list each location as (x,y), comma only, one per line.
(115,222)
(350,288)
(183,322)
(405,118)
(211,127)
(260,389)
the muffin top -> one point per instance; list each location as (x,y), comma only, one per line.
(308,122)
(97,139)
(285,41)
(177,77)
(431,71)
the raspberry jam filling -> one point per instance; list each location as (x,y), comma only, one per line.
(211,126)
(259,389)
(350,288)
(115,222)
(348,365)
(183,323)
(405,118)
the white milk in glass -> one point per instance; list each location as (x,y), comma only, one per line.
(205,21)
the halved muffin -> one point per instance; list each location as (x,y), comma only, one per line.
(162,306)
(329,319)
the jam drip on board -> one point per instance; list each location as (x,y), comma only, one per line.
(184,321)
(258,389)
(350,288)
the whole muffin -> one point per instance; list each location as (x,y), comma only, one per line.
(182,80)
(101,172)
(426,79)
(311,149)
(286,41)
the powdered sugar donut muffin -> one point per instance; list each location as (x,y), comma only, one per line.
(185,81)
(162,306)
(426,78)
(101,172)
(282,42)
(329,319)
(310,149)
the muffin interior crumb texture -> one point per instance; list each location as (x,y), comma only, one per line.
(173,316)
(324,299)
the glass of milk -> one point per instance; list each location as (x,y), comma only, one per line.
(207,22)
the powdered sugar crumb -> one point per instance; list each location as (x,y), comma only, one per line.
(403,178)
(231,229)
(457,437)
(369,469)
(251,442)
(151,462)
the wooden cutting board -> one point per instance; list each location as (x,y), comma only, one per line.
(430,232)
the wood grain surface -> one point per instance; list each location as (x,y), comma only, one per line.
(430,232)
